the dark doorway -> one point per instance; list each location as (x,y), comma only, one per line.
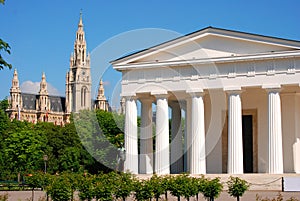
(247,126)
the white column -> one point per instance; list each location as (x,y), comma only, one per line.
(197,149)
(146,140)
(131,139)
(162,158)
(235,137)
(275,132)
(177,141)
(188,134)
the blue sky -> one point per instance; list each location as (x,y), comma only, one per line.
(42,33)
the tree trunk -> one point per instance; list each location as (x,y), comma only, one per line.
(238,198)
(178,198)
(124,198)
(166,194)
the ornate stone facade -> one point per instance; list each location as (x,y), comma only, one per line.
(56,109)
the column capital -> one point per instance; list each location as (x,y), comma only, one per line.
(128,97)
(160,95)
(272,88)
(193,94)
(233,90)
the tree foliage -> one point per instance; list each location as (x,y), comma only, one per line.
(4,46)
(212,188)
(237,187)
(76,147)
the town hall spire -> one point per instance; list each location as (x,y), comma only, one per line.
(78,79)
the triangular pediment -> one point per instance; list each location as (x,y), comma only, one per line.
(210,43)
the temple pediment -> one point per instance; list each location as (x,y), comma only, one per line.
(210,43)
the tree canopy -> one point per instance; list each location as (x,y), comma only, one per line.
(81,145)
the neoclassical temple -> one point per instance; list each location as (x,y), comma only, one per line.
(233,99)
(57,109)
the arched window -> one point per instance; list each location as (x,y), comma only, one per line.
(83,96)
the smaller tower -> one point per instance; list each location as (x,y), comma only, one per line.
(15,93)
(101,102)
(15,100)
(43,95)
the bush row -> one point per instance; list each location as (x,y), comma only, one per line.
(115,185)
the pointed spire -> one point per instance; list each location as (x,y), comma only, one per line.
(15,73)
(80,24)
(43,85)
(80,54)
(101,95)
(15,81)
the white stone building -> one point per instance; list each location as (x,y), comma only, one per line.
(238,93)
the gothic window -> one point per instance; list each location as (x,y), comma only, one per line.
(83,96)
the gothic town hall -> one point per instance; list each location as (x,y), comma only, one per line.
(56,109)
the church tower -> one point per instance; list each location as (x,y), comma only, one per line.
(43,95)
(101,103)
(15,100)
(78,79)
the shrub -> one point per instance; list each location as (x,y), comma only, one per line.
(59,189)
(237,187)
(212,188)
(143,190)
(124,185)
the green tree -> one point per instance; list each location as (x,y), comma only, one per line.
(37,180)
(94,140)
(59,189)
(237,187)
(69,159)
(111,124)
(24,151)
(4,46)
(103,187)
(212,188)
(124,185)
(160,185)
(86,187)
(143,190)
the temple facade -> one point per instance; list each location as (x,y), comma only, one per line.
(57,109)
(233,99)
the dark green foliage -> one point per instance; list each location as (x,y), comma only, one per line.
(212,188)
(124,185)
(4,47)
(69,148)
(237,187)
(85,187)
(143,190)
(103,187)
(59,189)
(180,186)
(160,185)
(96,134)
(24,151)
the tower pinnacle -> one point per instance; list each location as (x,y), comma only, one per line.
(43,85)
(80,24)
